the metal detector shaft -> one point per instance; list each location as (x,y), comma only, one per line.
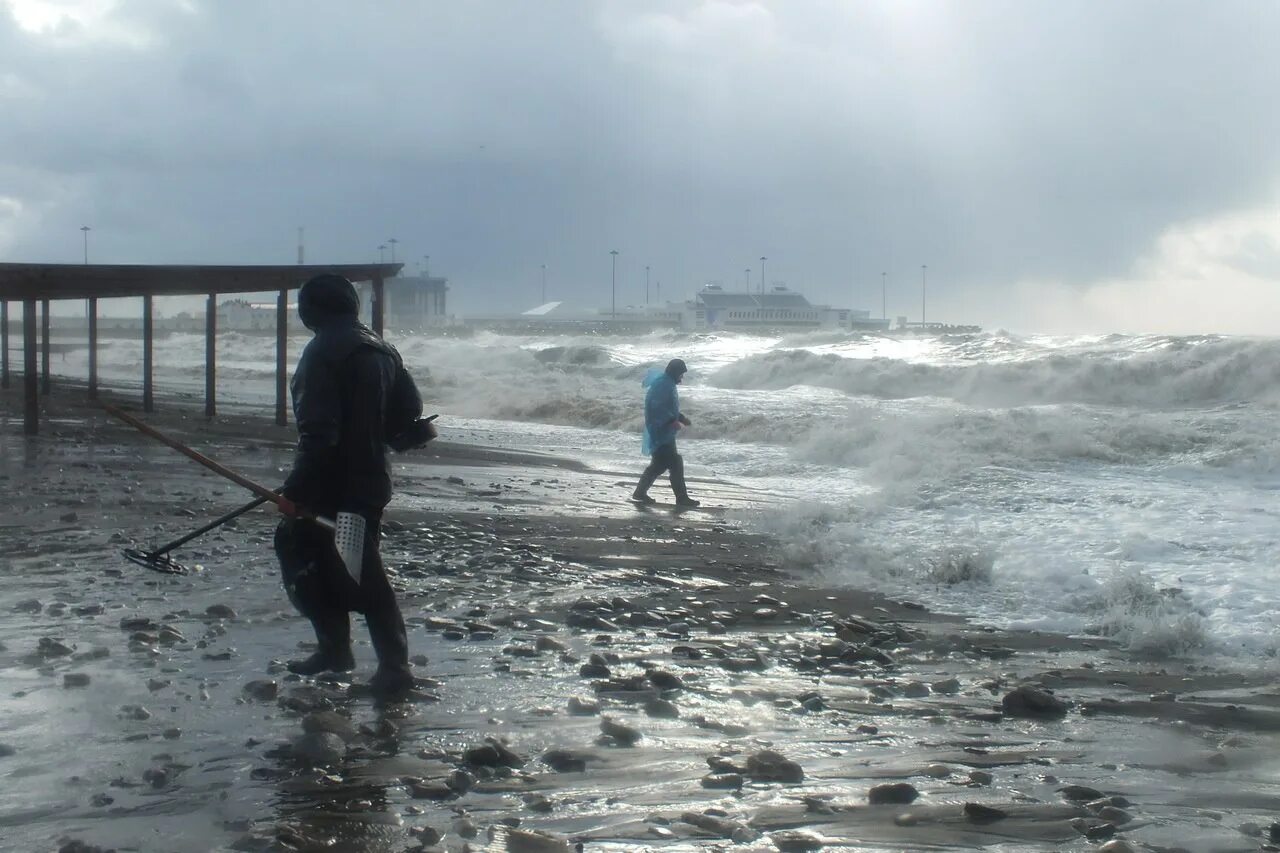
(259,490)
(286,506)
(166,548)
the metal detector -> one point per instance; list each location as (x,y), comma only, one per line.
(349,545)
(158,559)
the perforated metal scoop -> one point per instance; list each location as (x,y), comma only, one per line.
(348,538)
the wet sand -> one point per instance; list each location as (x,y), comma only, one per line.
(591,673)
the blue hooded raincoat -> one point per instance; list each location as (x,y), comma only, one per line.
(661,408)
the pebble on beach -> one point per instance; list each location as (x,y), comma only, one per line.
(1035,702)
(621,732)
(899,793)
(319,748)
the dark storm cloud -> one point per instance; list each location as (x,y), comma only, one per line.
(994,142)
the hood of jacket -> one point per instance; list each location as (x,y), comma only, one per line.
(326,298)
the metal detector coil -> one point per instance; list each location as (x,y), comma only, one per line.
(156,561)
(348,538)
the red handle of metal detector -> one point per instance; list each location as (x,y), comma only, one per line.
(259,490)
(286,506)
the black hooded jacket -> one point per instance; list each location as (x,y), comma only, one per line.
(341,390)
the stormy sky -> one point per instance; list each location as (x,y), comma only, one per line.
(1058,166)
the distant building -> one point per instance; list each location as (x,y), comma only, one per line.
(780,308)
(417,302)
(713,307)
(241,315)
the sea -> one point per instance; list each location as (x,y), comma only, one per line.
(1118,485)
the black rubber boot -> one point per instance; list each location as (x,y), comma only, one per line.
(333,636)
(324,660)
(650,473)
(386,625)
(677,482)
(390,681)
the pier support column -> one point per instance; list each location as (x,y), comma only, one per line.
(211,356)
(378,309)
(282,358)
(148,354)
(4,343)
(30,389)
(93,348)
(44,347)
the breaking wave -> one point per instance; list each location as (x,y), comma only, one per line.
(1149,373)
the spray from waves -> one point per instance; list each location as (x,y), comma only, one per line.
(1146,619)
(899,447)
(842,543)
(1177,373)
(847,546)
(893,444)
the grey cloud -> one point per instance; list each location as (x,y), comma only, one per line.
(993,141)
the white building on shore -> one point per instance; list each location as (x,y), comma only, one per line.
(780,308)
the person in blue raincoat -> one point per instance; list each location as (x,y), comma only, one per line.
(662,420)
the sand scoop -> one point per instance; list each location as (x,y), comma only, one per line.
(349,529)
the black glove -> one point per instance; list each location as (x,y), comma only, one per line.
(415,436)
(682,419)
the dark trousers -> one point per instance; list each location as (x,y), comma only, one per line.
(665,458)
(323,591)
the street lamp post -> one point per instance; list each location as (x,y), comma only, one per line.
(393,242)
(614,310)
(924,270)
(382,252)
(762,260)
(544,284)
(646,285)
(747,275)
(90,310)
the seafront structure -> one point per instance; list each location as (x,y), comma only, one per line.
(418,303)
(712,308)
(780,308)
(414,304)
(37,285)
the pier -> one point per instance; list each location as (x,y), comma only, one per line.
(35,286)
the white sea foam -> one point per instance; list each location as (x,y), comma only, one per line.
(1149,373)
(1055,483)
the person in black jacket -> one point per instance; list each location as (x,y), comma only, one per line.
(345,385)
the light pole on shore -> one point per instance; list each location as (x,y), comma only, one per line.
(88,303)
(762,260)
(393,242)
(924,281)
(382,253)
(646,285)
(747,275)
(614,309)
